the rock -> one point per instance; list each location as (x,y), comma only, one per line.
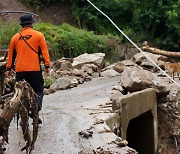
(116,104)
(119,67)
(121,143)
(49,91)
(115,95)
(118,139)
(136,79)
(88,78)
(86,151)
(87,69)
(87,134)
(53,74)
(140,59)
(129,63)
(62,65)
(92,66)
(65,65)
(173,94)
(119,88)
(79,73)
(61,83)
(96,58)
(109,73)
(74,82)
(80,80)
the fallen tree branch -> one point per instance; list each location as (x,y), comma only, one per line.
(23,102)
(161,52)
(6,96)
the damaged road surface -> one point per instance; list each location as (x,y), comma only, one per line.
(68,112)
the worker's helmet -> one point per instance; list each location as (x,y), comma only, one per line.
(26,19)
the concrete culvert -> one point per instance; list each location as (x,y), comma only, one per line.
(140,133)
(137,120)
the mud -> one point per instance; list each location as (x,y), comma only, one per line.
(64,114)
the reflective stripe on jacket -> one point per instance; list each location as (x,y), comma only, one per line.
(26,58)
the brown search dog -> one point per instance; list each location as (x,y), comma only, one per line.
(172,68)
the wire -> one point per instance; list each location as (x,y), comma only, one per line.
(4,12)
(133,42)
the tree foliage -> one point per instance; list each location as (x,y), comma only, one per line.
(156,21)
(160,21)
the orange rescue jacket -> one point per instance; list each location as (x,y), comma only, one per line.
(26,58)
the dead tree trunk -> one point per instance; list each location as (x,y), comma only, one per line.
(2,76)
(161,52)
(22,103)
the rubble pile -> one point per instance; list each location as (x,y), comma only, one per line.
(135,75)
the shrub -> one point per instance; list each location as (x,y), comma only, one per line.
(48,81)
(66,40)
(63,40)
(6,33)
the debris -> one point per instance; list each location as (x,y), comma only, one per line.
(101,121)
(120,143)
(21,103)
(87,134)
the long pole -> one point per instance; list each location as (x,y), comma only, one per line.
(7,12)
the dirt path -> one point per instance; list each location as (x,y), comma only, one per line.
(65,114)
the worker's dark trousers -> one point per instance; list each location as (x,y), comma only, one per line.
(35,79)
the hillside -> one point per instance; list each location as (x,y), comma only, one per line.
(55,14)
(9,5)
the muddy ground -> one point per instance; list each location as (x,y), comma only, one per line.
(64,114)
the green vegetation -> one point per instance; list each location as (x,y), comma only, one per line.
(6,33)
(48,81)
(66,40)
(63,40)
(155,21)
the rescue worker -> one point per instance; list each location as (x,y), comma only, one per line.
(24,51)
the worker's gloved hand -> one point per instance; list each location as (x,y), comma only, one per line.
(47,71)
(9,73)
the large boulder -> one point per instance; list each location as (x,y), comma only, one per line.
(62,64)
(140,59)
(61,83)
(96,58)
(136,79)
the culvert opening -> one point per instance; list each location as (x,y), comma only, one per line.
(140,133)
